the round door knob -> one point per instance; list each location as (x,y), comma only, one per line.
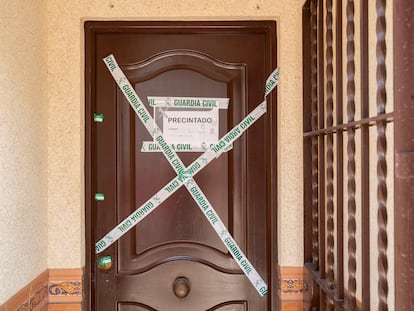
(181,287)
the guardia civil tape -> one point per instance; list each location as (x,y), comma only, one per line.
(186,173)
(188,102)
(196,166)
(150,146)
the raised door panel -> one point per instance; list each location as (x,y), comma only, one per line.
(185,232)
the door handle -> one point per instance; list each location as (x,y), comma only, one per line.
(181,287)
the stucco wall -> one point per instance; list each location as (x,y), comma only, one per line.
(66,102)
(23,144)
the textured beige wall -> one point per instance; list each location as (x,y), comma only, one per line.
(66,117)
(23,144)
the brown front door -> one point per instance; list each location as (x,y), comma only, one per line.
(176,243)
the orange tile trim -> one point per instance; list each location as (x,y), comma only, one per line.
(68,307)
(292,286)
(53,286)
(65,285)
(292,306)
(32,297)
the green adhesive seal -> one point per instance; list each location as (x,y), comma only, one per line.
(105,263)
(98,117)
(99,197)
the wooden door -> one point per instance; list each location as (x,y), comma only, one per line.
(176,240)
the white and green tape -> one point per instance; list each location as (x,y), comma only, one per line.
(150,146)
(185,174)
(272,81)
(188,102)
(226,237)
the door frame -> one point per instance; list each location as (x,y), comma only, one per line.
(403,31)
(94,28)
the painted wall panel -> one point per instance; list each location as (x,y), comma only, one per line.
(23,144)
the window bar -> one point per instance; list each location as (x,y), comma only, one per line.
(350,68)
(314,126)
(329,148)
(321,142)
(382,237)
(307,141)
(330,306)
(365,223)
(322,304)
(387,117)
(339,157)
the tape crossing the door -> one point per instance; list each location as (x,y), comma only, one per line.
(185,173)
(188,102)
(150,146)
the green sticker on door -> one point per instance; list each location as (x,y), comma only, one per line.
(99,197)
(105,263)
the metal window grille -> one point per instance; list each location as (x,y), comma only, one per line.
(340,128)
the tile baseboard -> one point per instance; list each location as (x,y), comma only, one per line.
(292,288)
(53,290)
(62,290)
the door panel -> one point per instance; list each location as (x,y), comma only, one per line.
(179,215)
(209,288)
(176,240)
(231,306)
(129,306)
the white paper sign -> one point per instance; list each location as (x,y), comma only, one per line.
(190,125)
